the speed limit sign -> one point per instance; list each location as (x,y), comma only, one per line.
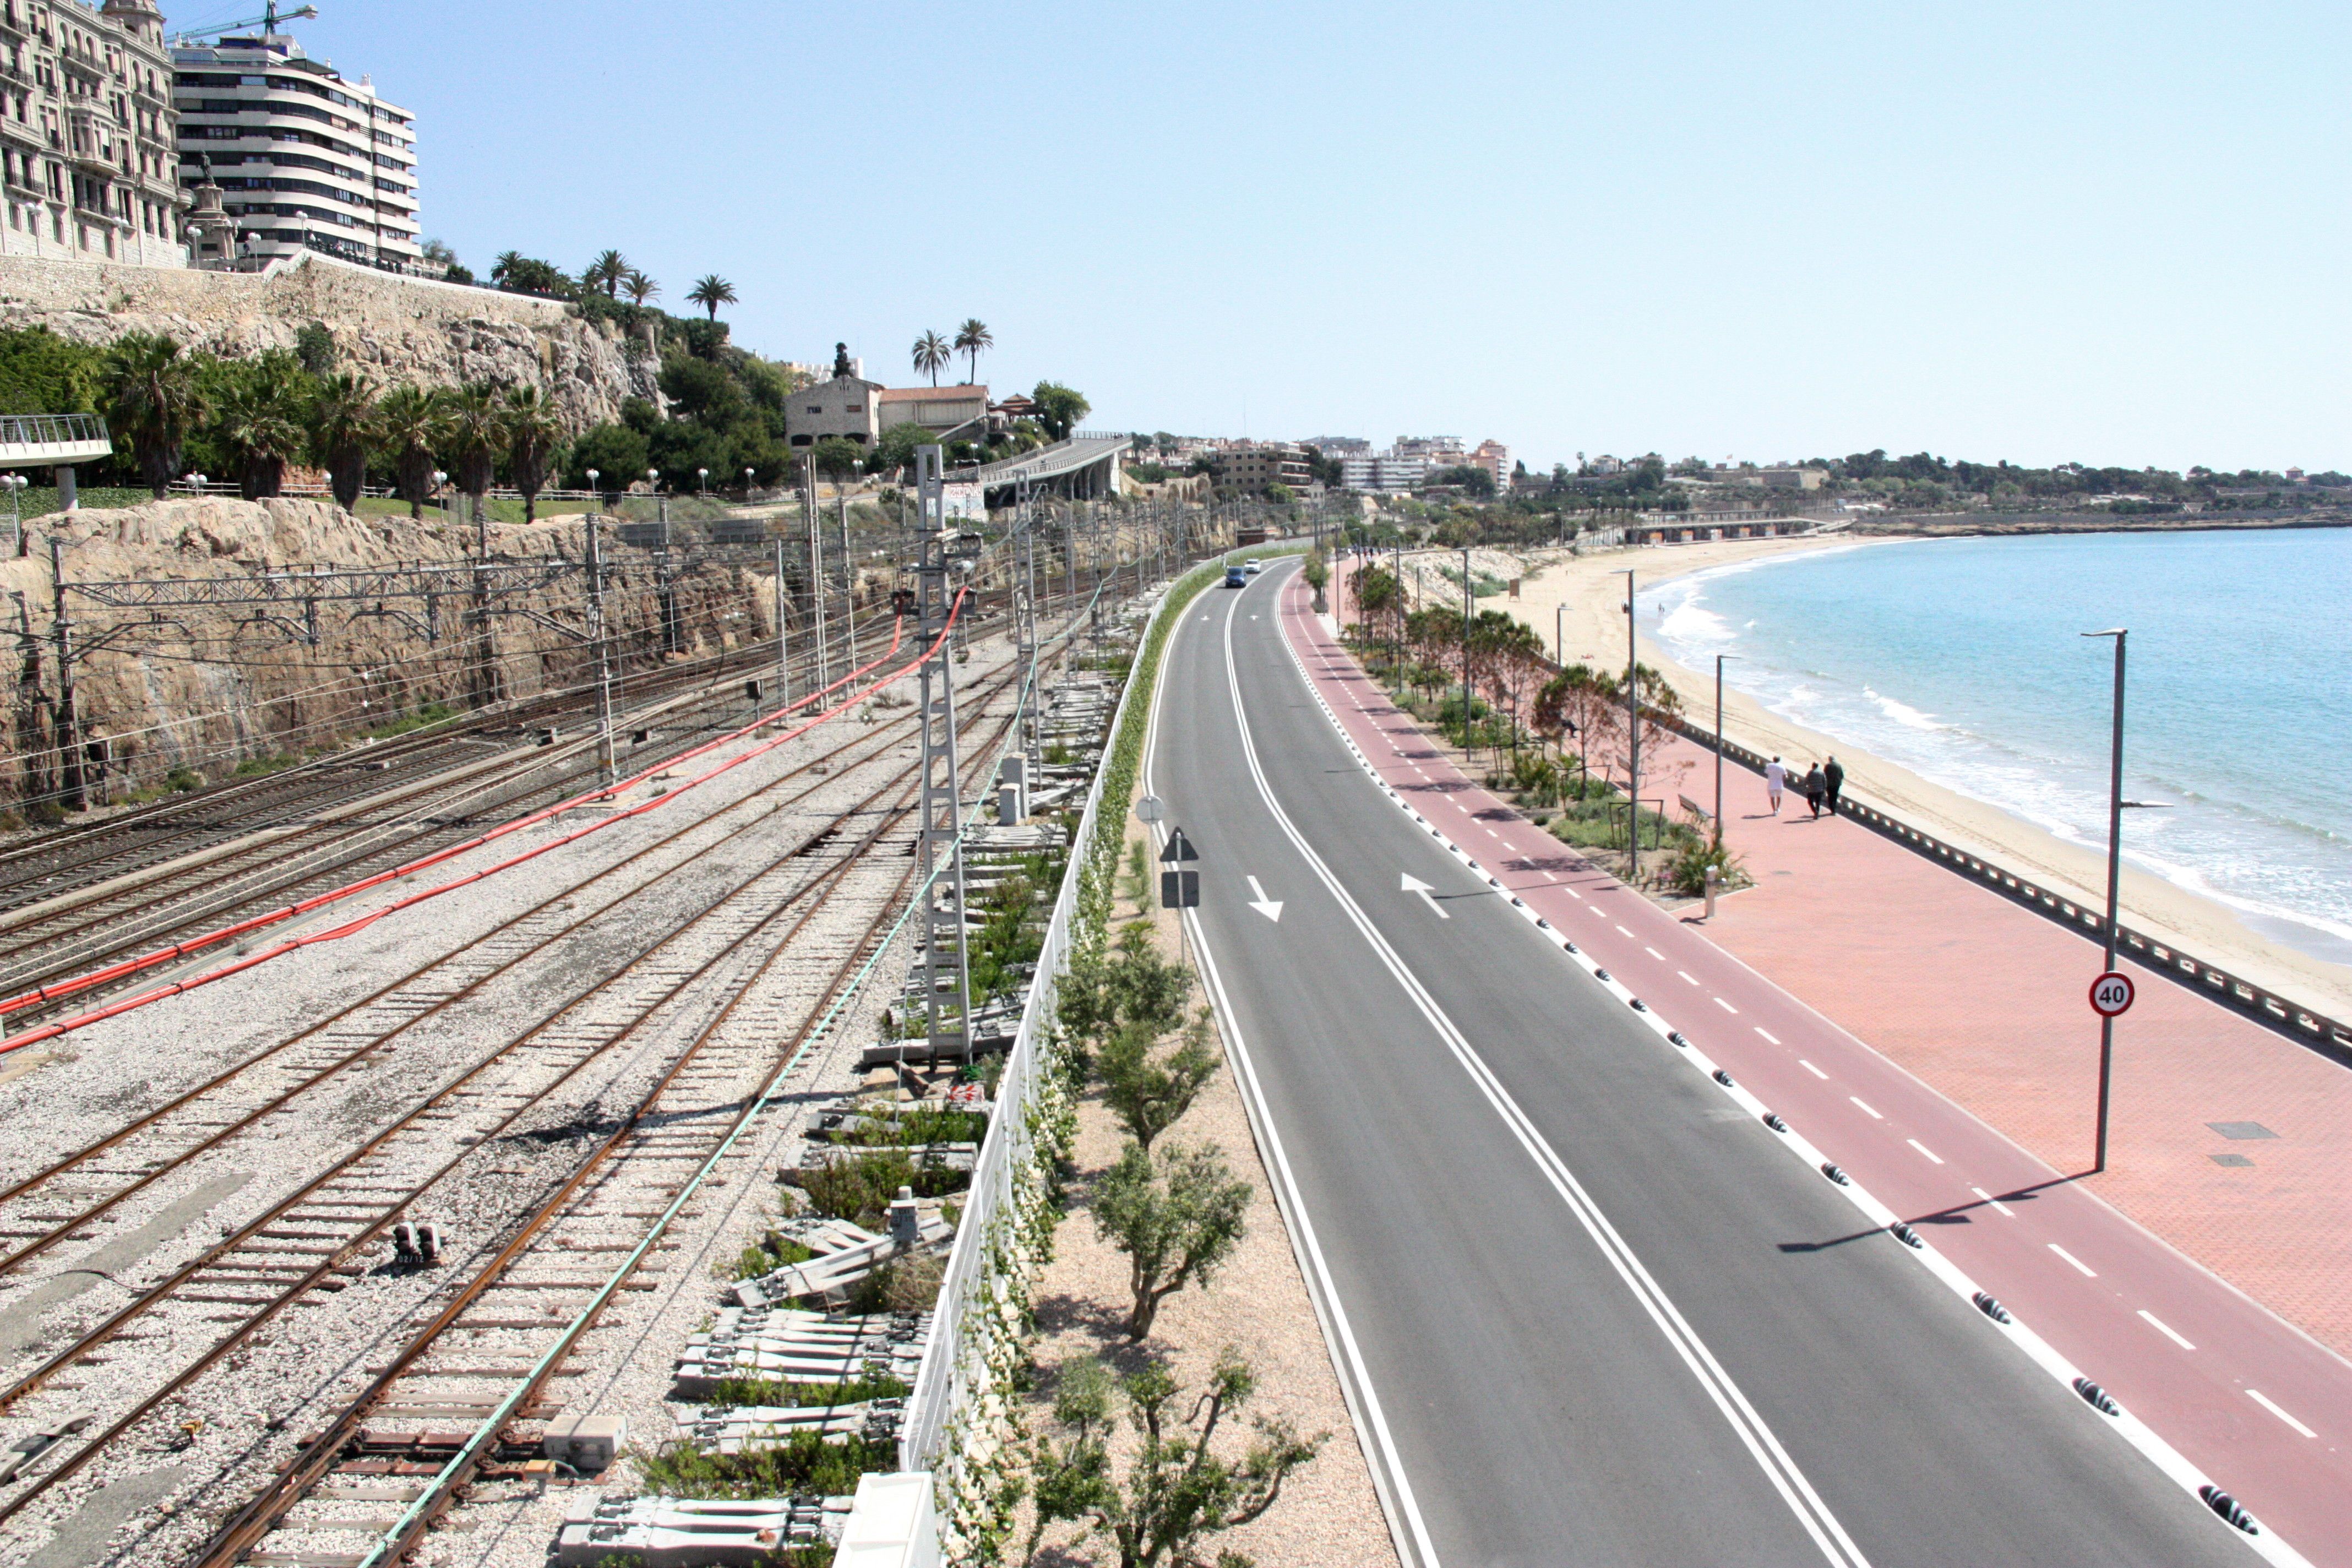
(2111,994)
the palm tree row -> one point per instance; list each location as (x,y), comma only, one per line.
(268,412)
(933,352)
(610,272)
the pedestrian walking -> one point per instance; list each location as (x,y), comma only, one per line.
(1813,787)
(1776,774)
(1832,781)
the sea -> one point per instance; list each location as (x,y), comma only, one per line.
(1963,660)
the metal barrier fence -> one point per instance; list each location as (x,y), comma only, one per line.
(945,1383)
(2330,1036)
(51,429)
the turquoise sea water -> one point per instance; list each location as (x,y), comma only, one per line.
(1961,660)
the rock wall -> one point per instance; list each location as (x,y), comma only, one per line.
(205,690)
(397,329)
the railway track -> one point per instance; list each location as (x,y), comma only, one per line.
(693,979)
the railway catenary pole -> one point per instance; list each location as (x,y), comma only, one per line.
(816,574)
(69,779)
(605,771)
(784,647)
(848,579)
(947,990)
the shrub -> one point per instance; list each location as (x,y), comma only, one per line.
(1148,1094)
(1176,1216)
(1687,872)
(796,1466)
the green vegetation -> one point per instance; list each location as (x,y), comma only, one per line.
(1177,1217)
(767,1254)
(739,1392)
(1175,1489)
(1148,1093)
(800,1465)
(426,714)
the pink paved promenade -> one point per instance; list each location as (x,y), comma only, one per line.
(1936,1041)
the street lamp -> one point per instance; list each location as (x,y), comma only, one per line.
(1718,744)
(440,478)
(746,486)
(1469,612)
(2114,881)
(17,483)
(1632,740)
(702,482)
(652,479)
(596,496)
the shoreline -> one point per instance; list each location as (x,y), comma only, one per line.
(1588,598)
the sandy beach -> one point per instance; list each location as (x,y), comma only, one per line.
(1583,596)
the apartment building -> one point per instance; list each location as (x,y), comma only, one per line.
(1386,471)
(1496,459)
(87,153)
(1253,468)
(304,159)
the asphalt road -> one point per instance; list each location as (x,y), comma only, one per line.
(1587,1310)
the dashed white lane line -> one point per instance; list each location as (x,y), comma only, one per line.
(1597,909)
(1622,931)
(1573,893)
(1492,834)
(1812,1069)
(1767,1034)
(1866,1108)
(1995,1202)
(1924,1150)
(2263,1400)
(1653,952)
(2167,1329)
(1726,1005)
(2083,1268)
(1687,976)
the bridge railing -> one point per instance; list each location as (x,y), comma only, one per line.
(53,429)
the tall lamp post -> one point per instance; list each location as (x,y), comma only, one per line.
(2115,883)
(1469,612)
(1718,745)
(17,483)
(596,496)
(1633,742)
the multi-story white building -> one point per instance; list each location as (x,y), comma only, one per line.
(1496,459)
(87,155)
(304,159)
(1390,471)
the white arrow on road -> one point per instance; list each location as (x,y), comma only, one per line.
(1270,908)
(1413,884)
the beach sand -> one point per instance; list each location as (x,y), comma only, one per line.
(1592,592)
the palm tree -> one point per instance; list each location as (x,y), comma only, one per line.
(638,287)
(711,291)
(931,354)
(156,401)
(532,434)
(262,422)
(971,339)
(606,272)
(474,435)
(409,427)
(503,269)
(343,432)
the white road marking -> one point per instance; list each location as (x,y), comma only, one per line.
(1653,952)
(1623,931)
(1994,1202)
(1866,1107)
(2167,1329)
(2263,1400)
(1764,1446)
(2087,1272)
(1270,908)
(1812,1069)
(1923,1147)
(1413,884)
(1767,1034)
(1573,893)
(1687,976)
(1725,1005)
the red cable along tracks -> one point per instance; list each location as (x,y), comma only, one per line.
(211,939)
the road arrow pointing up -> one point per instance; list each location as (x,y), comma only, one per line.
(1413,884)
(1270,908)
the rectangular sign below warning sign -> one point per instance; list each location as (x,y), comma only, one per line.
(1180,889)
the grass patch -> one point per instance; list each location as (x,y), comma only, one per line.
(430,713)
(805,1465)
(746,1391)
(771,1253)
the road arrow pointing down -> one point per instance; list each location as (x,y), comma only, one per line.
(1270,908)
(1413,884)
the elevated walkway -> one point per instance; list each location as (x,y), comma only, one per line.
(1084,468)
(47,440)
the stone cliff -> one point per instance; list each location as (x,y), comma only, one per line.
(396,329)
(205,690)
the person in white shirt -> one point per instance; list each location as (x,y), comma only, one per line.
(1775,776)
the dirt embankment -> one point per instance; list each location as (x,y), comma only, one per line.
(205,688)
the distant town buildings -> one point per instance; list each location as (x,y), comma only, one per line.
(1339,445)
(843,405)
(938,409)
(1783,476)
(87,132)
(1496,459)
(1255,468)
(304,159)
(1386,471)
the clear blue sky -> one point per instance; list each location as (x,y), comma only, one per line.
(2101,232)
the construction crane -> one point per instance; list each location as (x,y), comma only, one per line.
(268,21)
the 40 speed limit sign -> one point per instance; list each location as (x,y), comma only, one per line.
(2111,994)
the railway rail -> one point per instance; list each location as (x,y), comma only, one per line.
(304,1242)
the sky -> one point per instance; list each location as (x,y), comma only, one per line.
(2103,233)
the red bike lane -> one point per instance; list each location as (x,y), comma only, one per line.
(2259,1406)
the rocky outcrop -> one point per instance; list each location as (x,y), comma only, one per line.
(207,688)
(397,329)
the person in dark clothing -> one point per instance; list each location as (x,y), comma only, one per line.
(1814,787)
(1832,781)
